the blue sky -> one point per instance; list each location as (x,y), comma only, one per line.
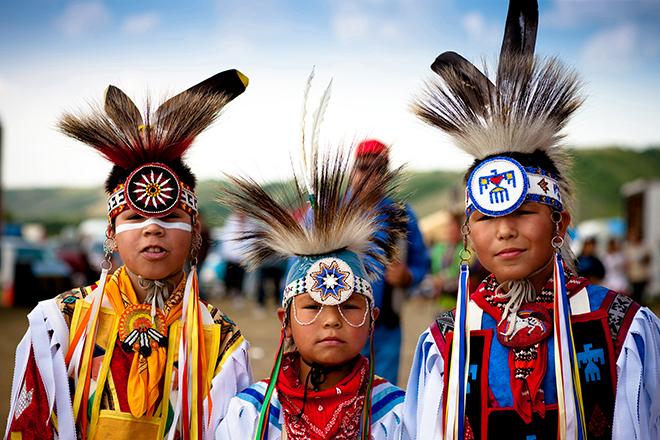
(59,55)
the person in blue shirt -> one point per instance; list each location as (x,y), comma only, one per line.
(400,275)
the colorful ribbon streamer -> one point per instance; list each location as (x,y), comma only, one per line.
(192,372)
(454,419)
(79,355)
(570,423)
(261,432)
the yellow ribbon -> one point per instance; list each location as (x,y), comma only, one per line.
(146,373)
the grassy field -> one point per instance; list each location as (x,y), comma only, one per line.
(599,174)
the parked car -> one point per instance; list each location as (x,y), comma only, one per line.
(30,273)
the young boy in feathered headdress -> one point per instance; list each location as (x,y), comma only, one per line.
(321,387)
(136,355)
(536,352)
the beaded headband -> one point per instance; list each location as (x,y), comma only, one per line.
(152,190)
(499,185)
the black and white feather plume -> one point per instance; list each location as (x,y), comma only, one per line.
(129,138)
(320,212)
(524,109)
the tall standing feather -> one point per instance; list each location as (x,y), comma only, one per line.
(476,84)
(121,109)
(518,43)
(303,145)
(229,83)
(319,114)
(129,139)
(164,138)
(522,21)
(312,171)
(344,218)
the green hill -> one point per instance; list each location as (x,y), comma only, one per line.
(599,174)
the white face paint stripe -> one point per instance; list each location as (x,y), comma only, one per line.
(153,221)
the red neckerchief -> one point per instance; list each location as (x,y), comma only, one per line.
(528,357)
(329,414)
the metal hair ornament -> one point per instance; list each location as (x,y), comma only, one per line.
(499,185)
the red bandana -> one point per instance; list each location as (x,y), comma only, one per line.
(329,414)
(528,354)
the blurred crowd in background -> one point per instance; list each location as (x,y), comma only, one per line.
(608,254)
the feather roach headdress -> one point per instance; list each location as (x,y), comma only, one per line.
(342,219)
(147,149)
(512,125)
(520,115)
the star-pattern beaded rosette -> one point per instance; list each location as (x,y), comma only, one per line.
(330,281)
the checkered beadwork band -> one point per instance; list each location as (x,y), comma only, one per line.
(299,286)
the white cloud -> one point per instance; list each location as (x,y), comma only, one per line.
(350,26)
(618,49)
(479,29)
(389,29)
(82,17)
(611,49)
(139,24)
(575,13)
(474,24)
(369,20)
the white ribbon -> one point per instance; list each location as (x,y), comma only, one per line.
(183,358)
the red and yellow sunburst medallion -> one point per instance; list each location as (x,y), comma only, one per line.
(153,190)
(140,332)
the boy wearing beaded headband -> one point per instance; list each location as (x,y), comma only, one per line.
(535,352)
(321,387)
(145,357)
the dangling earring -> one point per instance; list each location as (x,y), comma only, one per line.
(466,253)
(195,246)
(109,246)
(565,367)
(557,240)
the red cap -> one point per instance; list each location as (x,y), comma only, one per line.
(371,147)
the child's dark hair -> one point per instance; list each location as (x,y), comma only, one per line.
(119,175)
